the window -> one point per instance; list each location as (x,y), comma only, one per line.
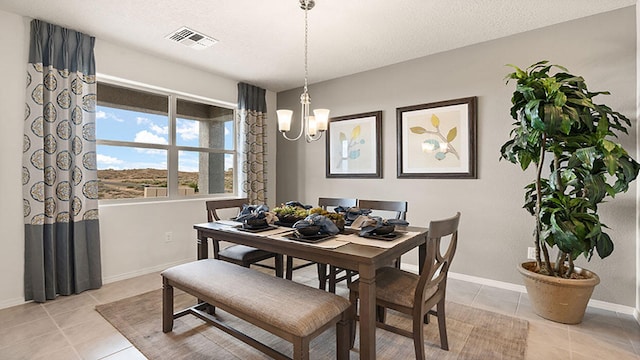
(152,144)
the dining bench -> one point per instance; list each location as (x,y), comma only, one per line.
(292,311)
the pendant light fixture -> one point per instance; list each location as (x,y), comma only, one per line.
(311,125)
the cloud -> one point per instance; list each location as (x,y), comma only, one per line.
(108,162)
(152,151)
(188,130)
(145,136)
(162,130)
(142,120)
(100,114)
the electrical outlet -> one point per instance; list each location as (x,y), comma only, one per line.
(531,253)
(168,236)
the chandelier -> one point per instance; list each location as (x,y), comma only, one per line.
(311,125)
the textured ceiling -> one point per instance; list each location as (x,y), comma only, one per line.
(262,41)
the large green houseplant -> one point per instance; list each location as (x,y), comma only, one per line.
(559,125)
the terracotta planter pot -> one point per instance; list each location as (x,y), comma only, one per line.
(557,299)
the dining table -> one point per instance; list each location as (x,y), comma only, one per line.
(345,250)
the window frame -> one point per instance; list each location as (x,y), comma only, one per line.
(172,148)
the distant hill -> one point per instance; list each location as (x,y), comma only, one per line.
(130,183)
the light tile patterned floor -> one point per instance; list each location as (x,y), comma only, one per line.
(70,328)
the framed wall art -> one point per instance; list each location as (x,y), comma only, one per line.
(437,140)
(354,146)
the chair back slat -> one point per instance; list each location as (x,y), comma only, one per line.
(399,207)
(437,263)
(214,205)
(325,202)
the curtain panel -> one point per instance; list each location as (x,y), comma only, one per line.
(252,113)
(59,175)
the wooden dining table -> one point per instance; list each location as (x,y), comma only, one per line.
(343,251)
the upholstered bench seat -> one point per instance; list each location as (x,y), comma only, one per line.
(292,311)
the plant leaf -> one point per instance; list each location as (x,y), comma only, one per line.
(604,245)
(356,132)
(452,134)
(418,130)
(435,121)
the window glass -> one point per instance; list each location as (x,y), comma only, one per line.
(130,172)
(202,172)
(134,126)
(204,125)
(135,147)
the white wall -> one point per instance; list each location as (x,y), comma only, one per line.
(495,231)
(132,235)
(13,40)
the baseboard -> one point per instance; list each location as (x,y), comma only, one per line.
(488,282)
(12,302)
(623,309)
(19,301)
(145,271)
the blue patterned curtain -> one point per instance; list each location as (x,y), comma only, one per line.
(59,177)
(252,112)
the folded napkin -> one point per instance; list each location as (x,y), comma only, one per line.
(351,213)
(369,224)
(326,225)
(255,212)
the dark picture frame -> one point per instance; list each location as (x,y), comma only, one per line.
(437,140)
(354,146)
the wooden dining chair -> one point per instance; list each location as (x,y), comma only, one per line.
(333,276)
(240,254)
(323,277)
(399,210)
(416,295)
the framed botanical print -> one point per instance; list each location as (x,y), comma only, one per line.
(437,140)
(354,146)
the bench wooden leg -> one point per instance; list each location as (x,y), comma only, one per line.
(167,306)
(322,276)
(279,265)
(289,268)
(301,349)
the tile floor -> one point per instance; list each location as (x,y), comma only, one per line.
(69,327)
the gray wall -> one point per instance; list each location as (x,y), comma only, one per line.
(495,231)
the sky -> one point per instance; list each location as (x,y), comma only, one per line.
(133,126)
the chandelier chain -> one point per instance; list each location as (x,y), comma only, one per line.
(312,126)
(306,34)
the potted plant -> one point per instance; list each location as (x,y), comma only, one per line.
(559,125)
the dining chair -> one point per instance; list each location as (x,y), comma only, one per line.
(416,295)
(323,277)
(240,254)
(399,210)
(332,277)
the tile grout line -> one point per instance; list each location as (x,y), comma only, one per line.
(518,305)
(476,296)
(75,351)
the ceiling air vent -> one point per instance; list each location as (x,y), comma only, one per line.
(191,38)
